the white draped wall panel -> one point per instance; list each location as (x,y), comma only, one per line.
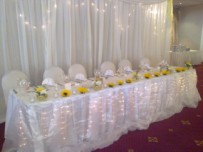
(35,35)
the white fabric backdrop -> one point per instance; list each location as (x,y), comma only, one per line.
(201,43)
(35,35)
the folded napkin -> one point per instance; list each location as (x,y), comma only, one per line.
(163,63)
(145,66)
(49,82)
(108,73)
(80,77)
(127,69)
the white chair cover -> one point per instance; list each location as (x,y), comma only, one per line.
(49,82)
(11,81)
(77,71)
(80,76)
(145,64)
(106,67)
(55,73)
(125,65)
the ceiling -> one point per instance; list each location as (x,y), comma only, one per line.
(184,3)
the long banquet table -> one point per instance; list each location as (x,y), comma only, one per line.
(85,122)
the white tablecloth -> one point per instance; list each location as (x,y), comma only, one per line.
(95,120)
(179,58)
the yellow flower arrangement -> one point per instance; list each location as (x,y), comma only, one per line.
(165,72)
(184,69)
(65,93)
(157,74)
(110,84)
(188,64)
(39,89)
(135,76)
(82,90)
(179,69)
(120,82)
(41,93)
(147,75)
(128,80)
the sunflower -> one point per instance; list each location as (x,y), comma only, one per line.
(165,72)
(147,75)
(39,88)
(128,80)
(120,82)
(157,74)
(65,93)
(111,84)
(183,69)
(82,90)
(179,69)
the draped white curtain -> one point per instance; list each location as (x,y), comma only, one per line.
(35,35)
(201,44)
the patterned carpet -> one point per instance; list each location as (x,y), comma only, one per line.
(183,132)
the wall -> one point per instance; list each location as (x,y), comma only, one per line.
(190,26)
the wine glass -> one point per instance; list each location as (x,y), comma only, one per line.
(66,79)
(97,73)
(56,91)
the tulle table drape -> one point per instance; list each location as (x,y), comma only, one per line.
(95,120)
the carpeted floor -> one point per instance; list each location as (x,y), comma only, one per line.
(183,132)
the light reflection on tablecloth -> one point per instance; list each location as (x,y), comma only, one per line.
(95,120)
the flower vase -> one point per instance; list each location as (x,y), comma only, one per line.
(98,82)
(42,97)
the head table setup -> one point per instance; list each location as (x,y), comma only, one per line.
(81,116)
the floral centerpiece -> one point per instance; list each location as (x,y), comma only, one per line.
(82,90)
(65,93)
(120,82)
(128,80)
(147,75)
(188,64)
(41,93)
(98,81)
(180,69)
(165,72)
(184,69)
(110,84)
(134,76)
(97,84)
(157,74)
(163,65)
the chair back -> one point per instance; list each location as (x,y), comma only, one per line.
(145,64)
(125,63)
(11,81)
(107,65)
(144,61)
(55,73)
(76,69)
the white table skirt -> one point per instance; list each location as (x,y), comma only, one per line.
(95,120)
(179,58)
